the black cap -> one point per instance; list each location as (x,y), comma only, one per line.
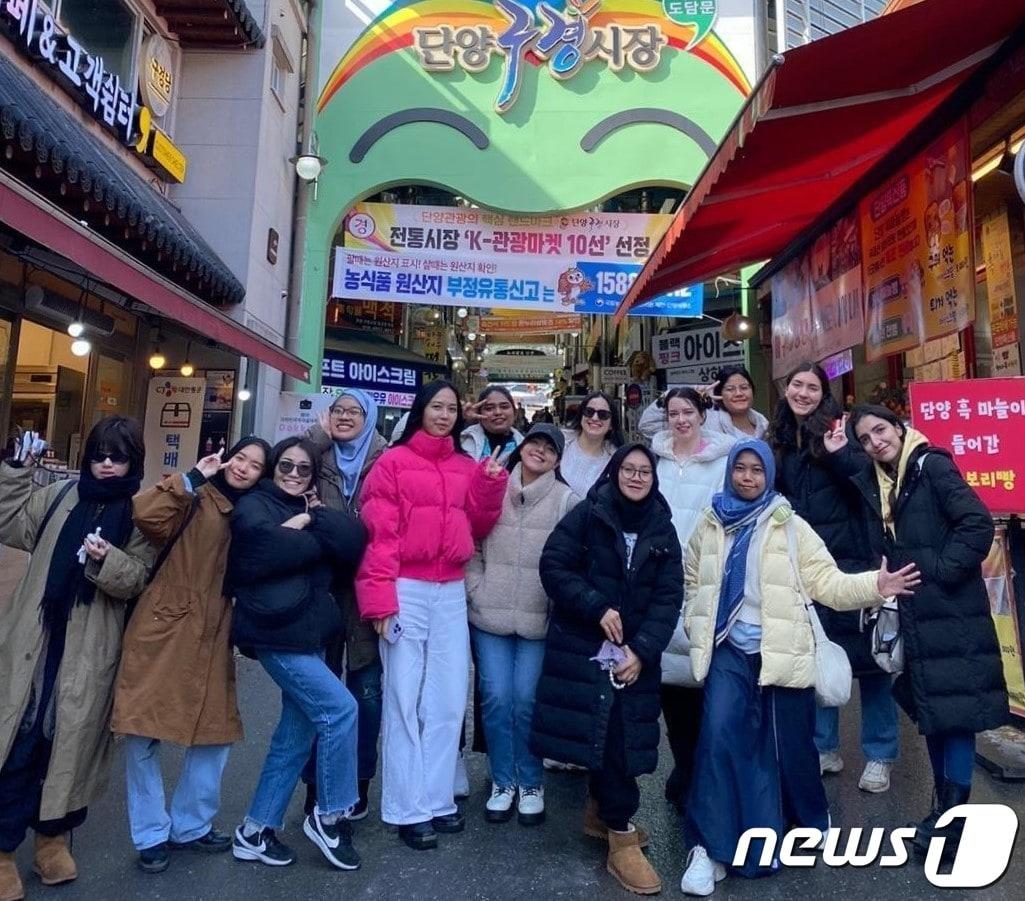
(550,433)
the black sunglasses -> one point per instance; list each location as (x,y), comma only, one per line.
(595,413)
(303,470)
(116,457)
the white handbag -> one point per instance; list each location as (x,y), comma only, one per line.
(833,676)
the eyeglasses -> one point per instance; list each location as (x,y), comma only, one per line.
(632,472)
(115,457)
(595,413)
(347,413)
(302,470)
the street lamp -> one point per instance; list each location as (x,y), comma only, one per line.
(308,165)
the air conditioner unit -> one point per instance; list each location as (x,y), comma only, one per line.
(64,311)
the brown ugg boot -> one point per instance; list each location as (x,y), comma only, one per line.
(628,864)
(54,863)
(595,827)
(11,888)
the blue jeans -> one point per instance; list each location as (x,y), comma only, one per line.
(314,704)
(509,668)
(196,800)
(952,755)
(880,731)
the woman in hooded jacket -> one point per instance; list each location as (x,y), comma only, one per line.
(814,465)
(60,640)
(748,564)
(285,546)
(613,571)
(920,510)
(176,681)
(691,467)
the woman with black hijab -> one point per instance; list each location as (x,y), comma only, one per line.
(177,677)
(60,640)
(613,570)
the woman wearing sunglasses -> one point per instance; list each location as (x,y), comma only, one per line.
(60,640)
(176,682)
(285,545)
(424,504)
(591,442)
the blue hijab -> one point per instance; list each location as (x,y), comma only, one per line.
(739,517)
(350,456)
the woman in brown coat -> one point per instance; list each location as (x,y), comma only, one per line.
(177,676)
(60,641)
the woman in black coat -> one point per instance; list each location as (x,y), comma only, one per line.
(920,510)
(613,570)
(284,550)
(814,465)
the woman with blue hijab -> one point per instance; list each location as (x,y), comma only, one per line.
(348,444)
(752,646)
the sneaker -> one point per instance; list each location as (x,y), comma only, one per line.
(461,786)
(830,762)
(333,839)
(419,836)
(499,806)
(531,806)
(702,873)
(362,807)
(262,846)
(214,842)
(154,860)
(557,766)
(876,777)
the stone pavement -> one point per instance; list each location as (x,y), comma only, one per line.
(504,861)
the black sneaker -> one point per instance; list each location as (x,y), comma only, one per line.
(419,836)
(214,842)
(333,839)
(449,823)
(362,807)
(263,846)
(155,859)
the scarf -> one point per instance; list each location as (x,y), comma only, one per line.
(507,442)
(106,503)
(633,515)
(739,518)
(221,483)
(351,456)
(891,479)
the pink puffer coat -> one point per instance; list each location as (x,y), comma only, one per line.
(424,505)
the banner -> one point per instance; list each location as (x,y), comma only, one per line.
(454,256)
(1002,298)
(982,423)
(378,318)
(174,417)
(917,241)
(502,323)
(817,303)
(694,357)
(997,572)
(392,383)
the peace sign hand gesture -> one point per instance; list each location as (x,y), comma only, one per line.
(211,464)
(836,438)
(493,467)
(471,411)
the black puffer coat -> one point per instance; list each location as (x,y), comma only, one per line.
(821,493)
(583,570)
(953,676)
(281,577)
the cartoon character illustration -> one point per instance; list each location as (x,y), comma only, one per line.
(573,283)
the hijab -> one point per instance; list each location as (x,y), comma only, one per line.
(221,483)
(633,515)
(739,518)
(351,456)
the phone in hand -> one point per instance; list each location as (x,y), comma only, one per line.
(394,632)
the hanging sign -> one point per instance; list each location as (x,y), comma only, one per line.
(1002,298)
(156,75)
(695,356)
(174,419)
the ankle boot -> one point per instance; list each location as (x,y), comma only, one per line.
(594,826)
(951,796)
(54,863)
(11,888)
(924,827)
(626,861)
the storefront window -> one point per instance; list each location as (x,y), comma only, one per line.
(110,389)
(106,28)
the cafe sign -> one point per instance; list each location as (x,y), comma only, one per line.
(156,75)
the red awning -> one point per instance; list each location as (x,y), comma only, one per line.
(820,119)
(31,215)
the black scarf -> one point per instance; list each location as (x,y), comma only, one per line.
(221,483)
(106,503)
(293,502)
(633,515)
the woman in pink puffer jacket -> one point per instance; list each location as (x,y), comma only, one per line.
(424,504)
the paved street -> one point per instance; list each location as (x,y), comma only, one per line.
(487,861)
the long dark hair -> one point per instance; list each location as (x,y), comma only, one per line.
(725,374)
(295,441)
(615,436)
(424,396)
(692,397)
(116,434)
(784,427)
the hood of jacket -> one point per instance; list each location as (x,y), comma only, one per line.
(713,446)
(474,438)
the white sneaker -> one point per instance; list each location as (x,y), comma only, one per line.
(830,762)
(531,806)
(461,786)
(499,806)
(876,777)
(702,873)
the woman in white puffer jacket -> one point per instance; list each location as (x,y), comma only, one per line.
(691,468)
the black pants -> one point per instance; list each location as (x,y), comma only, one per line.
(616,792)
(682,708)
(21,791)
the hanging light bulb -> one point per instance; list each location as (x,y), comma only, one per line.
(462,312)
(156,359)
(76,328)
(472,336)
(244,394)
(80,347)
(187,369)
